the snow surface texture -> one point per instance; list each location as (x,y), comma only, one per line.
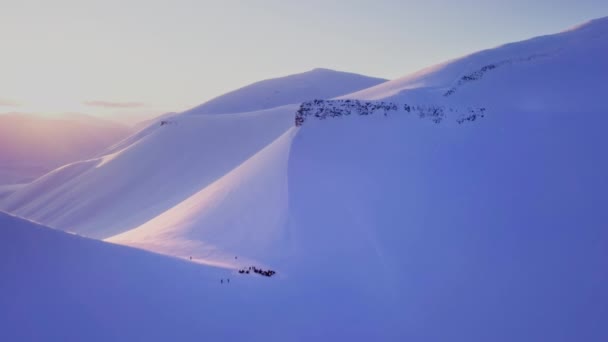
(293,89)
(32,145)
(380,227)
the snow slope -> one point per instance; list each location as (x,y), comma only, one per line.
(492,231)
(58,286)
(62,287)
(213,225)
(205,224)
(463,229)
(292,89)
(410,225)
(562,72)
(146,174)
(32,145)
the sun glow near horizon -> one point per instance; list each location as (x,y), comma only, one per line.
(103,57)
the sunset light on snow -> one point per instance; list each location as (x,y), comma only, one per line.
(278,170)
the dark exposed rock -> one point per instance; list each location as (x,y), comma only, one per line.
(266,273)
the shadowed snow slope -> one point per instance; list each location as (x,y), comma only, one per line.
(562,72)
(293,89)
(140,179)
(61,287)
(492,231)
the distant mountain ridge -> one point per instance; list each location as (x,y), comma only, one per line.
(32,144)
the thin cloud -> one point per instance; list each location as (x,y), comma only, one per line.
(111,104)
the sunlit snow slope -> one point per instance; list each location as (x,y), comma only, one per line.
(317,83)
(146,175)
(241,214)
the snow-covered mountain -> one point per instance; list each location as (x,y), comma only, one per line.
(404,151)
(165,166)
(381,223)
(32,145)
(562,73)
(148,173)
(173,158)
(318,83)
(471,234)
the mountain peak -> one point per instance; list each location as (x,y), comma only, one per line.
(319,83)
(324,70)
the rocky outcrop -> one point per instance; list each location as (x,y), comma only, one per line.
(323,109)
(478,74)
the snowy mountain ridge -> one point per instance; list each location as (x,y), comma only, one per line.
(559,72)
(478,74)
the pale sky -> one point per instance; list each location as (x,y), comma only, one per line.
(131,57)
